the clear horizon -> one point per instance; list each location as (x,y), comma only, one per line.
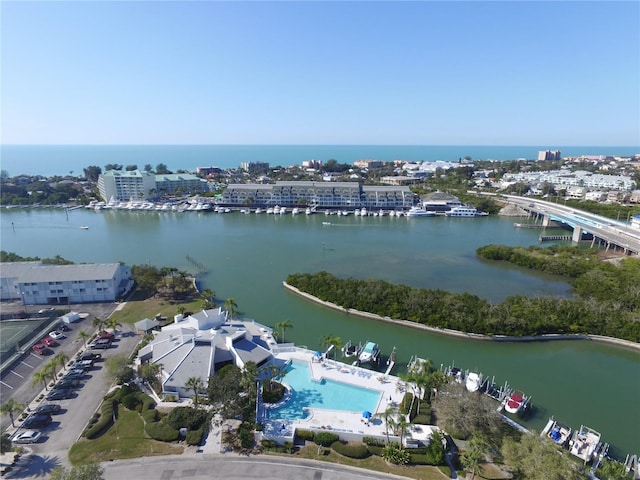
(320,73)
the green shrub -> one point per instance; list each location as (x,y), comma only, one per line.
(375,450)
(272,392)
(146,400)
(186,417)
(130,401)
(395,454)
(194,437)
(245,434)
(162,432)
(266,443)
(423,419)
(150,416)
(105,421)
(350,450)
(325,438)
(378,442)
(305,435)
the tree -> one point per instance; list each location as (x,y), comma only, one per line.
(90,471)
(283,326)
(92,173)
(196,384)
(612,470)
(41,376)
(131,168)
(11,407)
(148,168)
(331,340)
(99,323)
(150,372)
(475,455)
(534,458)
(84,335)
(231,306)
(60,359)
(118,368)
(161,169)
(113,323)
(389,418)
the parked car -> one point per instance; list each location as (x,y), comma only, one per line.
(48,409)
(28,436)
(68,383)
(59,394)
(40,349)
(74,373)
(57,335)
(104,335)
(89,356)
(63,327)
(37,420)
(49,342)
(83,364)
(101,343)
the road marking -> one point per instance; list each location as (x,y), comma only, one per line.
(6,384)
(17,374)
(25,363)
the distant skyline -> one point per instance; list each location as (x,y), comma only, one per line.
(350,73)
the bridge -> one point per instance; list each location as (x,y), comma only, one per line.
(611,233)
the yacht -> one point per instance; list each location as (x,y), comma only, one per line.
(473,382)
(465,211)
(295,211)
(369,353)
(308,211)
(419,212)
(557,432)
(584,443)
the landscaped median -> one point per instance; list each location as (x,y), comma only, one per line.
(129,426)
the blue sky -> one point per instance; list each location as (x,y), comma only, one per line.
(417,73)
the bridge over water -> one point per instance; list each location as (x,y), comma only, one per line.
(611,233)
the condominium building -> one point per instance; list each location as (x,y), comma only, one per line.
(35,283)
(126,185)
(549,155)
(179,183)
(319,194)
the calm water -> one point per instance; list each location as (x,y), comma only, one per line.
(327,394)
(248,257)
(63,159)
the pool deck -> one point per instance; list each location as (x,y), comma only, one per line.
(347,424)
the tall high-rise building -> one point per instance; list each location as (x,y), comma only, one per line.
(549,155)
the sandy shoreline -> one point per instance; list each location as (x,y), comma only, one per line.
(459,334)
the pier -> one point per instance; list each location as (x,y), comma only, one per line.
(201,269)
(551,238)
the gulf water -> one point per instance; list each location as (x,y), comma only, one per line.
(63,159)
(248,257)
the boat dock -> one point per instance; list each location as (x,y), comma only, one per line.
(552,238)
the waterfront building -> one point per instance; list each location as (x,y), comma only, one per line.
(318,194)
(371,164)
(207,171)
(440,202)
(123,186)
(179,183)
(202,343)
(254,167)
(550,155)
(35,283)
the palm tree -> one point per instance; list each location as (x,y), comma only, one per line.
(331,340)
(474,457)
(389,419)
(283,326)
(181,309)
(10,407)
(41,376)
(196,384)
(208,295)
(113,323)
(85,336)
(231,306)
(60,359)
(99,323)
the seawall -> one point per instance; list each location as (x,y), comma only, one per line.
(457,333)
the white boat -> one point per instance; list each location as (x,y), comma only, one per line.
(258,211)
(308,211)
(584,443)
(363,212)
(516,403)
(419,212)
(557,432)
(295,211)
(473,382)
(84,227)
(350,349)
(465,211)
(369,353)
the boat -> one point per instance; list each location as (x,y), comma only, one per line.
(419,212)
(369,353)
(295,211)
(584,443)
(258,211)
(473,382)
(516,403)
(557,432)
(309,211)
(84,227)
(465,211)
(350,349)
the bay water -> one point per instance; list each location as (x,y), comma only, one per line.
(248,256)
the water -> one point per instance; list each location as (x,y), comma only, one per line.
(248,257)
(327,394)
(63,159)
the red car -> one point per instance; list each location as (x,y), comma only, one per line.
(49,342)
(105,336)
(40,348)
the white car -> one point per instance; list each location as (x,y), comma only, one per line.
(56,335)
(28,436)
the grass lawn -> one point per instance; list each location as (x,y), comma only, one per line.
(139,307)
(125,439)
(421,472)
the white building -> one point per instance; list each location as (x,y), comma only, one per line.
(35,283)
(199,345)
(126,185)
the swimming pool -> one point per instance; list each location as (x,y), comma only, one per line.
(328,394)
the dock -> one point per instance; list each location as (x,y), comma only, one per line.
(551,238)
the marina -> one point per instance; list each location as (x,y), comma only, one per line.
(254,253)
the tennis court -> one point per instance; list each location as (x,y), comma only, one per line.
(16,333)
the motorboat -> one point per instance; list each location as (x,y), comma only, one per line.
(369,353)
(295,211)
(516,403)
(350,349)
(465,211)
(473,382)
(557,432)
(584,443)
(417,211)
